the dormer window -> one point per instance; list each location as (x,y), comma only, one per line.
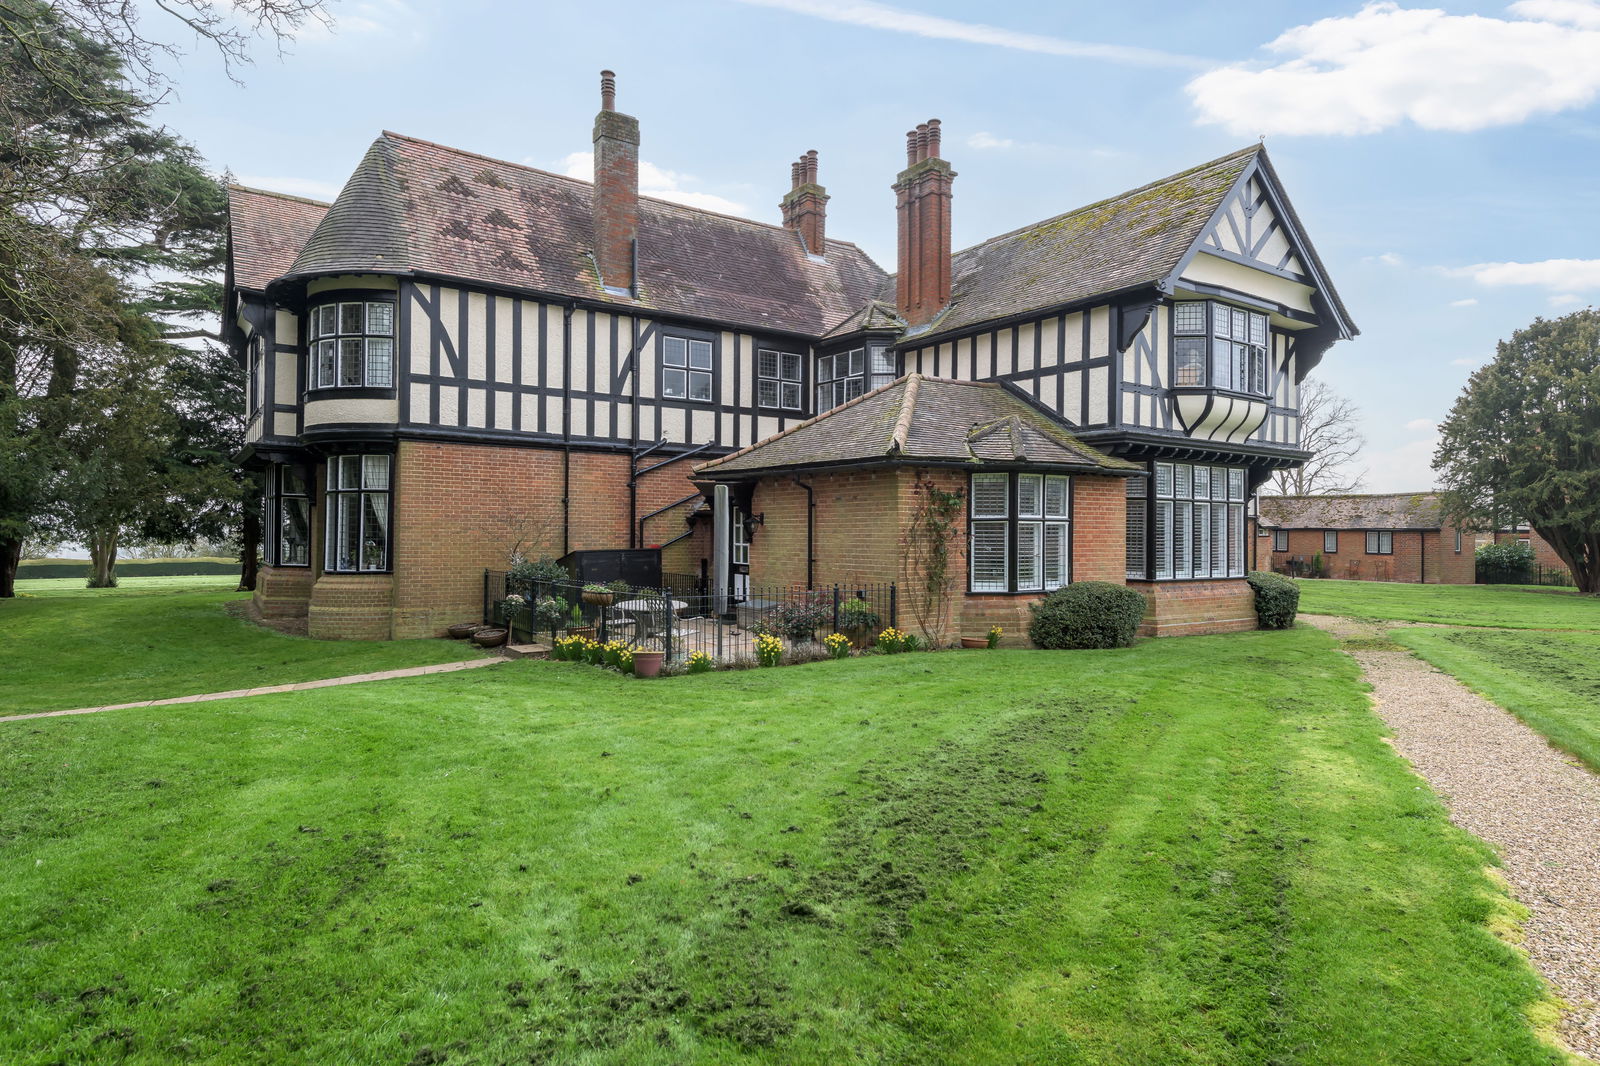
(351,344)
(1218,346)
(779,378)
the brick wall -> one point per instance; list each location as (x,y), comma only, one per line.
(1191,608)
(861,517)
(1427,555)
(284,591)
(460,509)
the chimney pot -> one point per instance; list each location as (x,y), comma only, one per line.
(922,141)
(811,166)
(805,208)
(616,190)
(933,138)
(911,147)
(922,203)
(794,176)
(608,90)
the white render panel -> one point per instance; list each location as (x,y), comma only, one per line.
(477,409)
(447,406)
(1099,332)
(476,356)
(530,411)
(283,423)
(417,347)
(351,281)
(504,314)
(337,408)
(1099,411)
(419,403)
(1074,339)
(1212,270)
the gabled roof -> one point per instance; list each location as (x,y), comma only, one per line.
(417,207)
(1135,239)
(268,231)
(1401,510)
(1130,240)
(918,419)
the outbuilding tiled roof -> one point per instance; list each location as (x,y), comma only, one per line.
(922,419)
(876,315)
(268,231)
(418,207)
(1133,239)
(1402,510)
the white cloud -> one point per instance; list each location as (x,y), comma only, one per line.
(1584,14)
(1408,468)
(985,140)
(1470,301)
(307,187)
(1565,299)
(1387,65)
(1417,424)
(658,182)
(361,17)
(1387,259)
(1558,275)
(878,16)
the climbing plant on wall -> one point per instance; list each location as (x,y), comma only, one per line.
(927,541)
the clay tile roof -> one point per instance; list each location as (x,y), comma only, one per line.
(876,315)
(268,230)
(1403,510)
(922,419)
(1129,240)
(415,206)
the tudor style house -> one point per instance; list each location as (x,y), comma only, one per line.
(461,355)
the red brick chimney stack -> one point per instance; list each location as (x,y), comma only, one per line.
(922,202)
(805,208)
(616,190)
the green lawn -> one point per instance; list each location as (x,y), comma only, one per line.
(1549,680)
(75,586)
(156,637)
(1197,850)
(1510,606)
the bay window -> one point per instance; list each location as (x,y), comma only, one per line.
(358,513)
(350,344)
(1217,346)
(286,517)
(1187,523)
(1018,532)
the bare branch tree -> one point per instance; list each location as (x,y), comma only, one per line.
(1328,430)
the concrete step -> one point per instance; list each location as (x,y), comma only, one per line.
(526,651)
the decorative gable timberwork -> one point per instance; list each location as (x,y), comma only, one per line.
(1249,230)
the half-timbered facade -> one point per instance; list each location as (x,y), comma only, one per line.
(461,355)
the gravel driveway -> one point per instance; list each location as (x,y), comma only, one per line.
(1504,783)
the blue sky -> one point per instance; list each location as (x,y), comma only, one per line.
(1442,158)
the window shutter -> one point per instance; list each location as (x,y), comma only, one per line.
(989,556)
(1055,497)
(991,496)
(1163,535)
(1137,544)
(1029,489)
(1180,540)
(1219,540)
(1236,540)
(1055,555)
(1030,547)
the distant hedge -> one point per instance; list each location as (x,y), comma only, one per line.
(41,568)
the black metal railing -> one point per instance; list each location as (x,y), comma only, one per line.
(683,617)
(1537,574)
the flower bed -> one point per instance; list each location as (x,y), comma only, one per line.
(769,650)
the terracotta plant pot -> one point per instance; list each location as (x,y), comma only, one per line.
(647,663)
(463,630)
(489,638)
(974,642)
(599,599)
(587,632)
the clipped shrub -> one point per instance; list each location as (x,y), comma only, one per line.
(1277,599)
(1507,555)
(1088,614)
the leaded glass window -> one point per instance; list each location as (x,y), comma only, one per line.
(350,344)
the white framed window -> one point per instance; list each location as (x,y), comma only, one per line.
(1215,345)
(1020,526)
(1380,542)
(1458,540)
(686,369)
(357,513)
(350,344)
(779,379)
(1196,522)
(1280,540)
(1330,541)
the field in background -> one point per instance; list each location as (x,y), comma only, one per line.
(1510,606)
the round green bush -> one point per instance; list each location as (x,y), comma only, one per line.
(1088,614)
(1277,599)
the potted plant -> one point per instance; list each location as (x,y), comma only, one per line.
(548,614)
(463,630)
(489,637)
(974,642)
(575,626)
(647,663)
(598,595)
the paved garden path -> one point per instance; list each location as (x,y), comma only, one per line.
(1504,783)
(327,682)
